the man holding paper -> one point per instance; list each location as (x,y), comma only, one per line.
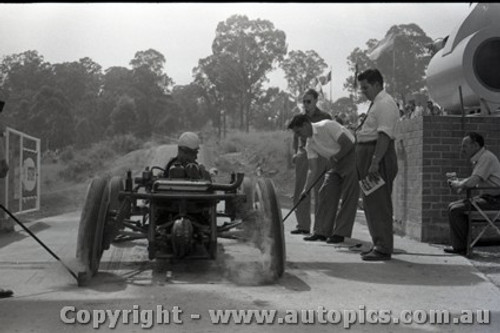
(376,158)
(329,139)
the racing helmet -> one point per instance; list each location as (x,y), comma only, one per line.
(189,140)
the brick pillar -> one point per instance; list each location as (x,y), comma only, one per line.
(428,147)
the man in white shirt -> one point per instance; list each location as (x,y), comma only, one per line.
(332,141)
(485,173)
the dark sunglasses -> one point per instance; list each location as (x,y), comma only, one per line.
(307,101)
(189,150)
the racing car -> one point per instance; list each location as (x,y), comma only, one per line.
(180,218)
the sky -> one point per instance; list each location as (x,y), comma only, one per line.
(111,33)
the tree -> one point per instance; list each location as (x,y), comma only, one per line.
(402,59)
(115,85)
(345,108)
(301,68)
(80,82)
(149,85)
(190,99)
(153,62)
(21,77)
(123,117)
(245,51)
(51,119)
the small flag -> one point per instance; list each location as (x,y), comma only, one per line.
(316,85)
(325,79)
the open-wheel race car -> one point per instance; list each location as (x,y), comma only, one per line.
(179,217)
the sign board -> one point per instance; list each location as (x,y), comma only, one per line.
(21,192)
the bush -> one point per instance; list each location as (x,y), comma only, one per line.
(78,170)
(229,147)
(101,152)
(67,154)
(124,144)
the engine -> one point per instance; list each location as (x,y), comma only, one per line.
(466,71)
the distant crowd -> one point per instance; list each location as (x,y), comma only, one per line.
(414,110)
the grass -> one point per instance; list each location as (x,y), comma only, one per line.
(259,153)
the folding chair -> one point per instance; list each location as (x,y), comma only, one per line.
(480,217)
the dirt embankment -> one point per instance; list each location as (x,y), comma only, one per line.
(256,154)
(60,196)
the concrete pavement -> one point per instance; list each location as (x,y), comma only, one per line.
(420,276)
(418,282)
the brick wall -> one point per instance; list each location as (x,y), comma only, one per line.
(428,147)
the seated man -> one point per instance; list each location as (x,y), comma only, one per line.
(485,173)
(184,165)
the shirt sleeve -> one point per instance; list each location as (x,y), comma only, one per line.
(334,129)
(311,154)
(386,117)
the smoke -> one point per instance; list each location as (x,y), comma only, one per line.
(250,261)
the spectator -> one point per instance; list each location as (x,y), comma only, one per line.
(376,156)
(303,211)
(432,109)
(485,172)
(418,110)
(4,169)
(335,143)
(408,111)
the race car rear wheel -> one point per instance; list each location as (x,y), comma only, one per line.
(272,244)
(88,250)
(116,211)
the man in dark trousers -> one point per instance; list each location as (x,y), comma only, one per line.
(335,143)
(376,157)
(485,173)
(303,212)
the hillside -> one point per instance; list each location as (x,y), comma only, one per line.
(65,177)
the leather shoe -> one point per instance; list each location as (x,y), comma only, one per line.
(299,232)
(364,253)
(6,293)
(375,255)
(315,238)
(335,239)
(454,251)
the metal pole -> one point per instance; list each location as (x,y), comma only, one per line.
(462,106)
(331,79)
(40,242)
(303,197)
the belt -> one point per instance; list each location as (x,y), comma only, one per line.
(374,142)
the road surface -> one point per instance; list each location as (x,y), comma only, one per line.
(325,287)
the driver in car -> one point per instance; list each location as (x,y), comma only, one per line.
(184,165)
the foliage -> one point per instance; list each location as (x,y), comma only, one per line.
(402,65)
(273,109)
(79,103)
(67,154)
(346,109)
(243,52)
(301,68)
(124,144)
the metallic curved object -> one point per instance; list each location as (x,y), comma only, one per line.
(470,62)
(182,234)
